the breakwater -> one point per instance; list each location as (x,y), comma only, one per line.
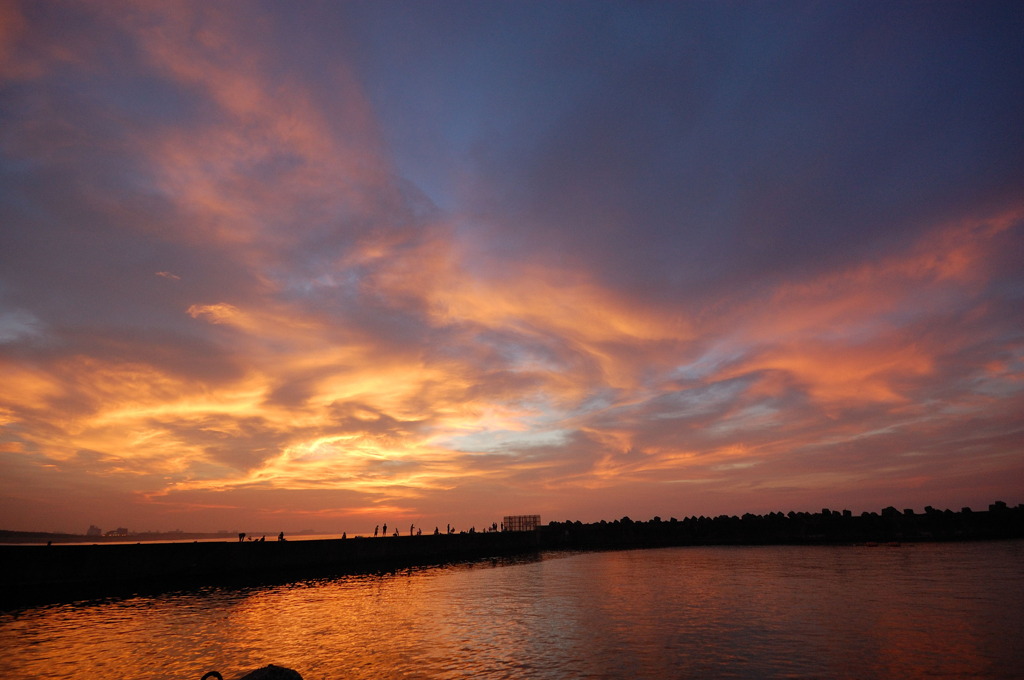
(60,572)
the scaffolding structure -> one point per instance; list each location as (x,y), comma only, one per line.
(520,523)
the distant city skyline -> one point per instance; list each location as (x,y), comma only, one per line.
(330,265)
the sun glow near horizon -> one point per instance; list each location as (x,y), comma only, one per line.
(268,294)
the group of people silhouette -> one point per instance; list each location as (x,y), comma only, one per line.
(412,531)
(382,530)
(379,530)
(261,539)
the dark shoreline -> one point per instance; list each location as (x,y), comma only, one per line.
(43,538)
(36,574)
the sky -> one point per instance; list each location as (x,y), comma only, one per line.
(326,265)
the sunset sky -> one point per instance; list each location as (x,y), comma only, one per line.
(287,265)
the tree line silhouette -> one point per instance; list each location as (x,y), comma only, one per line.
(828,526)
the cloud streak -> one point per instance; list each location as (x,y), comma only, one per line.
(238,288)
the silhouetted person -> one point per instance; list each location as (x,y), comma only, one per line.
(375,530)
(280,536)
(263,539)
(241,537)
(344,535)
(385,532)
(411,528)
(436,532)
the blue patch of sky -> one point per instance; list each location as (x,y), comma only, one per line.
(599,401)
(754,417)
(19,325)
(450,89)
(543,424)
(696,401)
(708,363)
(506,441)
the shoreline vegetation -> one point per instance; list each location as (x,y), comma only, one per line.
(66,571)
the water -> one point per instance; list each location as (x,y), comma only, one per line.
(920,611)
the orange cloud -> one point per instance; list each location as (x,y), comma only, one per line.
(377,352)
(217,313)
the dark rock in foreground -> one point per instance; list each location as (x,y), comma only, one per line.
(270,672)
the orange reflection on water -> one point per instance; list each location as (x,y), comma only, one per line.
(937,611)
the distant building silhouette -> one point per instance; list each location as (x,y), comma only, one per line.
(521,522)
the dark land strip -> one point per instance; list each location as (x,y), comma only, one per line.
(32,574)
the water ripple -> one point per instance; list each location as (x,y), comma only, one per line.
(937,611)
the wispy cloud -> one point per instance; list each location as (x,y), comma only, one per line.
(227,298)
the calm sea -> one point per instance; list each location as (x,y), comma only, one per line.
(916,611)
